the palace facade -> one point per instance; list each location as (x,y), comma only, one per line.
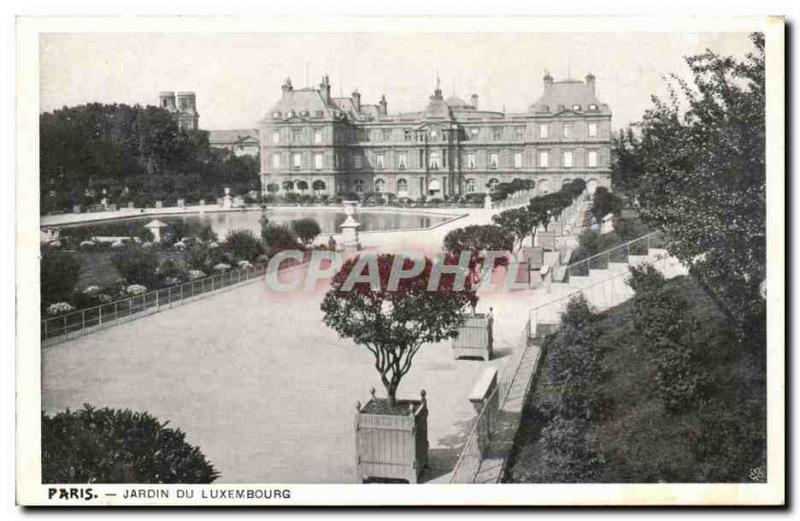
(312,142)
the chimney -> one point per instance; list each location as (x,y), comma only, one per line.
(325,89)
(474,100)
(357,100)
(548,80)
(287,85)
(590,81)
(382,104)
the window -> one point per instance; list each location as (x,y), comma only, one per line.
(297,135)
(276,115)
(471,161)
(379,160)
(470,186)
(276,160)
(592,159)
(517,159)
(519,133)
(433,161)
(380,185)
(359,185)
(492,184)
(544,130)
(402,159)
(408,135)
(317,136)
(473,132)
(319,114)
(358,162)
(592,129)
(576,108)
(544,159)
(317,161)
(497,134)
(304,113)
(567,130)
(402,186)
(434,135)
(568,159)
(276,136)
(297,161)
(493,160)
(592,107)
(387,135)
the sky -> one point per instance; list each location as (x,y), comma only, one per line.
(237,77)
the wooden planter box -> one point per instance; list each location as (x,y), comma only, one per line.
(475,337)
(392,446)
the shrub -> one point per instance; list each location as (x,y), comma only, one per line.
(278,237)
(243,244)
(59,273)
(663,317)
(195,274)
(172,269)
(137,265)
(306,229)
(604,203)
(136,289)
(118,446)
(59,308)
(222,267)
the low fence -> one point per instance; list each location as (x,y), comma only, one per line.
(474,449)
(620,253)
(83,321)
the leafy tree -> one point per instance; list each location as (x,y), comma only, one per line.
(393,324)
(278,237)
(306,229)
(516,222)
(137,265)
(59,273)
(118,446)
(604,203)
(696,165)
(478,239)
(243,244)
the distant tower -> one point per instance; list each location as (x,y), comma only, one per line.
(383,105)
(167,101)
(187,111)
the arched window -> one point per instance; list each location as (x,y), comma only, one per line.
(318,186)
(402,186)
(302,186)
(492,184)
(288,185)
(359,185)
(380,185)
(470,186)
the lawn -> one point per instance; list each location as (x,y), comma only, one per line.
(721,438)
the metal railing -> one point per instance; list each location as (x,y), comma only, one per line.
(83,321)
(480,434)
(601,295)
(620,253)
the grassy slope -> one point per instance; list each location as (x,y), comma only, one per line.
(637,439)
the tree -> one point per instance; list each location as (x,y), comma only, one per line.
(604,203)
(243,244)
(306,229)
(516,222)
(394,323)
(477,240)
(58,273)
(278,237)
(696,164)
(137,265)
(118,446)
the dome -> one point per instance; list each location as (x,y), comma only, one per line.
(437,108)
(457,103)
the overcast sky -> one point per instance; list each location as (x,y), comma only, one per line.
(237,77)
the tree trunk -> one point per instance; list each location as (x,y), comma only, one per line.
(391,392)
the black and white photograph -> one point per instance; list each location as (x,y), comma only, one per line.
(260,262)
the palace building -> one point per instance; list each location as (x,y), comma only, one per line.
(314,143)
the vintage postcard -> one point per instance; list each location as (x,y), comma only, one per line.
(400,261)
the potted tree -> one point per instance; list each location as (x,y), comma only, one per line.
(393,318)
(474,337)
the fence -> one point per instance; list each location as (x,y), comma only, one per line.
(474,449)
(84,321)
(620,253)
